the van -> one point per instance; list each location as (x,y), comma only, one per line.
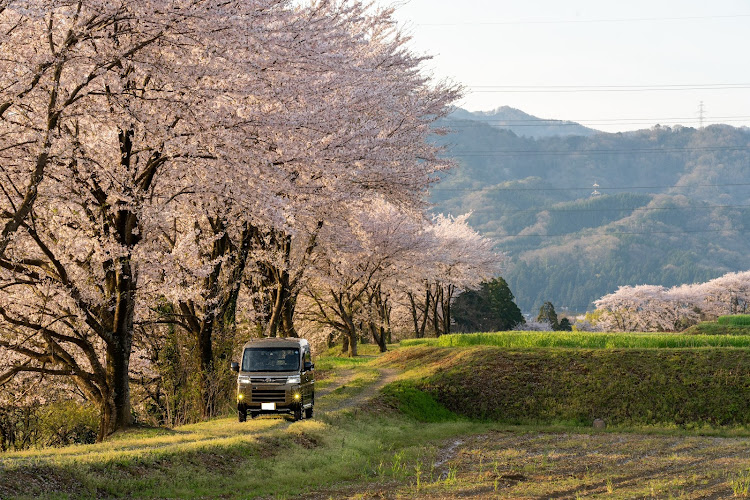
(275,376)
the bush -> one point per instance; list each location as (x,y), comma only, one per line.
(57,423)
(68,422)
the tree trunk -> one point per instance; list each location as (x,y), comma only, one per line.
(345,344)
(437,299)
(424,309)
(352,335)
(447,296)
(287,316)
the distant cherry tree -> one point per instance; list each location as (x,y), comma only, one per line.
(655,308)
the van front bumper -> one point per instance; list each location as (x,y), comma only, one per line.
(267,398)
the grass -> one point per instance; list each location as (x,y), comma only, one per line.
(501,464)
(416,404)
(265,457)
(422,450)
(714,328)
(735,319)
(688,388)
(584,340)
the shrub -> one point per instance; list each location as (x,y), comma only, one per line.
(68,422)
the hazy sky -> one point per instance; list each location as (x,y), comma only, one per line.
(611,65)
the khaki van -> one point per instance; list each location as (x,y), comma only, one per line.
(275,376)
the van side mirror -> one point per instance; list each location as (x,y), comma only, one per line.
(309,366)
(235,366)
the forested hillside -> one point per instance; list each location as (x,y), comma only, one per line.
(579,216)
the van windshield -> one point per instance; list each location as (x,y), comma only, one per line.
(269,359)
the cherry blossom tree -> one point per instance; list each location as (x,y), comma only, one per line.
(166,151)
(655,308)
(354,283)
(728,294)
(129,140)
(458,258)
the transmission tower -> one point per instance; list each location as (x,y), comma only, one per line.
(701,113)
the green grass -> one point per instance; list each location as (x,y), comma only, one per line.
(584,340)
(689,388)
(414,451)
(416,403)
(714,328)
(223,458)
(735,319)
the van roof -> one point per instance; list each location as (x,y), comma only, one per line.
(276,342)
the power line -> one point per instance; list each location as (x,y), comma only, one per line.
(585,21)
(667,86)
(529,90)
(506,125)
(626,233)
(597,210)
(521,152)
(588,188)
(588,121)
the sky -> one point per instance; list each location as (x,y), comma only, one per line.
(610,65)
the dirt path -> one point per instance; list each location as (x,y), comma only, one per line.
(345,377)
(386,377)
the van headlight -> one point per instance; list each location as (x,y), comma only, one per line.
(293,380)
(243,379)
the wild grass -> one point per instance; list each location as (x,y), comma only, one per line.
(584,340)
(267,457)
(714,328)
(348,452)
(735,319)
(683,387)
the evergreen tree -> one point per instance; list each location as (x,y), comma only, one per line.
(565,325)
(547,314)
(491,308)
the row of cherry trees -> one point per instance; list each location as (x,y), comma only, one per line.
(397,266)
(182,165)
(656,308)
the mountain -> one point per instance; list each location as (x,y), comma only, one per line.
(579,216)
(522,124)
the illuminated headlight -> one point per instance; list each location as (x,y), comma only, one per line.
(293,380)
(297,396)
(240,396)
(243,379)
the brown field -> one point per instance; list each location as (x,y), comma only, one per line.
(524,465)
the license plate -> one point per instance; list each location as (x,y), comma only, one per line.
(268,406)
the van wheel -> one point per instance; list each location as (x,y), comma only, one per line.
(308,412)
(241,413)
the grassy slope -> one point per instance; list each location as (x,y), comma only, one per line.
(224,458)
(725,337)
(626,379)
(377,450)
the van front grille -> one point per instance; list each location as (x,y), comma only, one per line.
(268,396)
(268,380)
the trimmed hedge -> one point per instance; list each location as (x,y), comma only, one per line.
(621,386)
